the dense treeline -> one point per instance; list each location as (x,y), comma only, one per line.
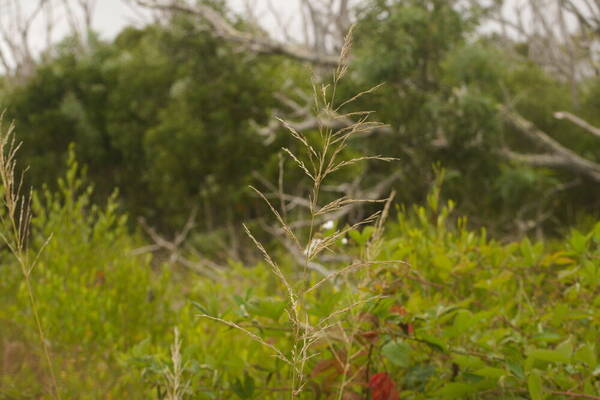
(170,115)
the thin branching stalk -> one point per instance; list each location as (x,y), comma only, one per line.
(16,221)
(318,159)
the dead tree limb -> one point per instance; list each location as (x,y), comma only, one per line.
(15,28)
(261,44)
(557,155)
(173,248)
(300,118)
(19,22)
(370,195)
(578,121)
(562,36)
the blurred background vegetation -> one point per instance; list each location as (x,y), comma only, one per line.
(141,150)
(171,113)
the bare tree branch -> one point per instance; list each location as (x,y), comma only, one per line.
(87,8)
(558,156)
(260,44)
(365,195)
(18,55)
(562,36)
(15,27)
(578,121)
(173,248)
(302,119)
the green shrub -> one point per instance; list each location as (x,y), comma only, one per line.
(96,299)
(471,318)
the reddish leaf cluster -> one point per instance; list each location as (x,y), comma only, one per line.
(400,310)
(383,387)
(371,336)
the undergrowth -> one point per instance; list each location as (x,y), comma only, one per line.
(406,303)
(427,310)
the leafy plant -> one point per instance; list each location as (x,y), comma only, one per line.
(16,220)
(320,159)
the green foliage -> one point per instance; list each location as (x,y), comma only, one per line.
(96,299)
(467,316)
(160,113)
(160,107)
(470,318)
(438,309)
(97,274)
(442,84)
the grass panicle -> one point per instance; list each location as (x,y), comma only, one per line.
(318,159)
(175,383)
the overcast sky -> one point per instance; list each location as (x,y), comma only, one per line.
(110,16)
(113,15)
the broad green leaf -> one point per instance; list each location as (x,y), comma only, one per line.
(566,349)
(463,321)
(534,384)
(356,236)
(516,369)
(442,261)
(433,342)
(456,390)
(398,352)
(466,362)
(266,307)
(367,232)
(328,304)
(587,355)
(588,387)
(490,372)
(549,355)
(244,389)
(418,376)
(527,250)
(547,337)
(578,242)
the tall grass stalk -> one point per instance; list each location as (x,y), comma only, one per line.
(176,385)
(16,220)
(320,157)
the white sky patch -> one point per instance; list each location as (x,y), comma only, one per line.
(111,16)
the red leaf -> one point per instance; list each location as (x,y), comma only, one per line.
(100,278)
(397,309)
(326,366)
(383,387)
(322,366)
(409,329)
(371,336)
